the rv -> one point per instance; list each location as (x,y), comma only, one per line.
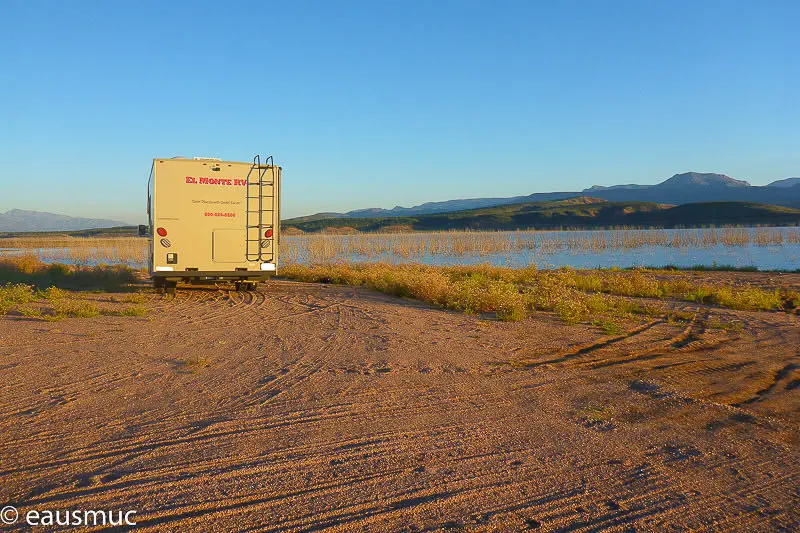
(212,221)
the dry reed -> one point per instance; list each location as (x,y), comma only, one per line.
(418,247)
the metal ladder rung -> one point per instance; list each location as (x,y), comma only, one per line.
(255,178)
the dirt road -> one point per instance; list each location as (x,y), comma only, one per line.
(322,408)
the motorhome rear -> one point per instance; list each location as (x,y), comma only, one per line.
(212,220)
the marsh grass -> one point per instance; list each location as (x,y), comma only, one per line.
(513,294)
(646,284)
(29,269)
(82,250)
(398,246)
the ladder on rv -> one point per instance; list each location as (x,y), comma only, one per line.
(261,209)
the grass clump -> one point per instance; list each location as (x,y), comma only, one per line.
(75,308)
(54,293)
(609,327)
(133,298)
(17,293)
(134,310)
(194,361)
(30,311)
(715,323)
(13,295)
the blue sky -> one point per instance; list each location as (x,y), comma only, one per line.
(392,103)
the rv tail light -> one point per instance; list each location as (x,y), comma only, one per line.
(161,232)
(268,233)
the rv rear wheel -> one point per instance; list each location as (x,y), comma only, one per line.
(170,287)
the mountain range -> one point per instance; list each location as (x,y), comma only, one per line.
(21,220)
(579,212)
(689,187)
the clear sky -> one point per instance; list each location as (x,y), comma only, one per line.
(377,104)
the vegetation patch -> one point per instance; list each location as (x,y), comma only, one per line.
(609,327)
(30,270)
(513,294)
(134,298)
(54,303)
(134,310)
(195,361)
(75,308)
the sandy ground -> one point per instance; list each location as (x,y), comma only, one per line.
(321,408)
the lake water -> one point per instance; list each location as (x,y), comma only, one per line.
(764,248)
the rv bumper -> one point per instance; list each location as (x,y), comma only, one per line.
(212,275)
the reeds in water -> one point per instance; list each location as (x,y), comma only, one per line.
(418,247)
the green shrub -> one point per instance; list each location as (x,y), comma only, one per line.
(134,310)
(18,293)
(75,308)
(134,298)
(608,327)
(54,293)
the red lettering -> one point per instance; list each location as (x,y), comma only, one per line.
(215,181)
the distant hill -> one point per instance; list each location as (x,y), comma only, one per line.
(692,187)
(578,212)
(455,205)
(19,220)
(682,188)
(788,182)
(693,179)
(595,188)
